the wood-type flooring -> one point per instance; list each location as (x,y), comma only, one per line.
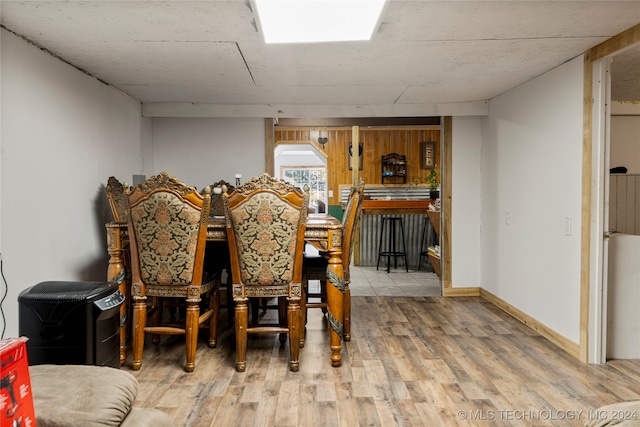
(412,361)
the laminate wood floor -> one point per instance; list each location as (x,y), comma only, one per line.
(412,361)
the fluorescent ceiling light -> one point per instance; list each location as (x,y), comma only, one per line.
(312,21)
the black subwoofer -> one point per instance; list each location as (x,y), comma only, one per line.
(71,323)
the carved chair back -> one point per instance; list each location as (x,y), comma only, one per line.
(116,194)
(266,221)
(217,205)
(167,230)
(350,219)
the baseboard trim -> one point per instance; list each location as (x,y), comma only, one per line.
(461,292)
(564,343)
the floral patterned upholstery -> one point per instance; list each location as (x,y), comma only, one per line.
(266,232)
(167,232)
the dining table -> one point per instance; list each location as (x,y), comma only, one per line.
(322,230)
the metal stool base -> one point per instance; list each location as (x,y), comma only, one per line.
(391,251)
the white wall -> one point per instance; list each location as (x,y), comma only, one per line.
(466,215)
(201,151)
(625,142)
(531,184)
(63,134)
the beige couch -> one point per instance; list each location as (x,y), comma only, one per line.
(623,414)
(89,396)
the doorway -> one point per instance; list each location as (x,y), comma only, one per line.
(302,164)
(331,138)
(604,308)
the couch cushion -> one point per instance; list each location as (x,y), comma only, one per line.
(83,395)
(139,417)
(623,414)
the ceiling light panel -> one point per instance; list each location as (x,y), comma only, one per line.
(316,21)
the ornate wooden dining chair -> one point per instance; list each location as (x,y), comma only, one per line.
(117,199)
(315,266)
(266,220)
(167,231)
(217,255)
(217,205)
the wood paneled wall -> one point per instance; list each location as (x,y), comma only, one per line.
(624,204)
(376,142)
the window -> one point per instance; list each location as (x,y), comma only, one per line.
(313,176)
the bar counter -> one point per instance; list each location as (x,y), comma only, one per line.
(413,213)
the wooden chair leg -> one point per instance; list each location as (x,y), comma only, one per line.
(303,311)
(192,329)
(241,322)
(214,304)
(139,322)
(347,314)
(293,317)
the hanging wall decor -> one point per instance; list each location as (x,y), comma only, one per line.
(428,157)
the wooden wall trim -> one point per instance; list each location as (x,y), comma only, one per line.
(585,216)
(445,200)
(564,343)
(461,292)
(616,43)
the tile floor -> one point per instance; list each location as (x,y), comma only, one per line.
(367,281)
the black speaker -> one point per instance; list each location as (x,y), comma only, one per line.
(71,323)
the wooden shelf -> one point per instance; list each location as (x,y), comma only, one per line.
(435,263)
(394,167)
(434,217)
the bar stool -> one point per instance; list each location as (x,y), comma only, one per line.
(423,251)
(391,243)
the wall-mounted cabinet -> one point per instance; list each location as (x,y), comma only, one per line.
(394,169)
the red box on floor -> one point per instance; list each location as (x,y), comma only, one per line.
(16,400)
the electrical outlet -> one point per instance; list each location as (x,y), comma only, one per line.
(567,226)
(507,217)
